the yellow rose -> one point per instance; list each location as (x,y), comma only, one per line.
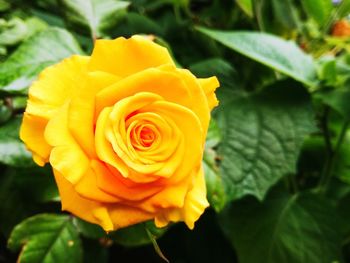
(124,131)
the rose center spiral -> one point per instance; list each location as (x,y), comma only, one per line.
(143,136)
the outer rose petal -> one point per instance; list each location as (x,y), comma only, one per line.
(54,86)
(124,57)
(109,216)
(66,156)
(199,103)
(209,86)
(123,216)
(88,210)
(123,188)
(195,204)
(87,188)
(32,133)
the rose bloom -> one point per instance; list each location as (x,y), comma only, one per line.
(124,131)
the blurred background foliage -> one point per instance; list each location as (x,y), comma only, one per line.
(277,158)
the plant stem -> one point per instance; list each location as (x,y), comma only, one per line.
(328,168)
(327,136)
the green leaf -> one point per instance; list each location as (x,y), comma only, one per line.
(89,230)
(4,5)
(220,68)
(215,187)
(5,112)
(14,32)
(284,13)
(34,26)
(246,6)
(43,49)
(319,10)
(139,24)
(275,16)
(338,99)
(327,70)
(262,137)
(12,150)
(341,168)
(342,207)
(46,238)
(272,51)
(299,228)
(213,135)
(98,16)
(49,18)
(343,9)
(137,235)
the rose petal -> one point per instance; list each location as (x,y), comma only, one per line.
(154,80)
(123,216)
(87,188)
(209,86)
(32,133)
(66,156)
(115,184)
(56,85)
(93,212)
(188,123)
(123,57)
(194,206)
(104,149)
(81,116)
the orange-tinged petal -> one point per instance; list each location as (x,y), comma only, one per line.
(123,216)
(171,215)
(124,57)
(115,184)
(104,148)
(188,123)
(171,196)
(32,134)
(209,86)
(111,123)
(116,131)
(194,205)
(87,188)
(116,134)
(167,137)
(66,156)
(56,85)
(91,211)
